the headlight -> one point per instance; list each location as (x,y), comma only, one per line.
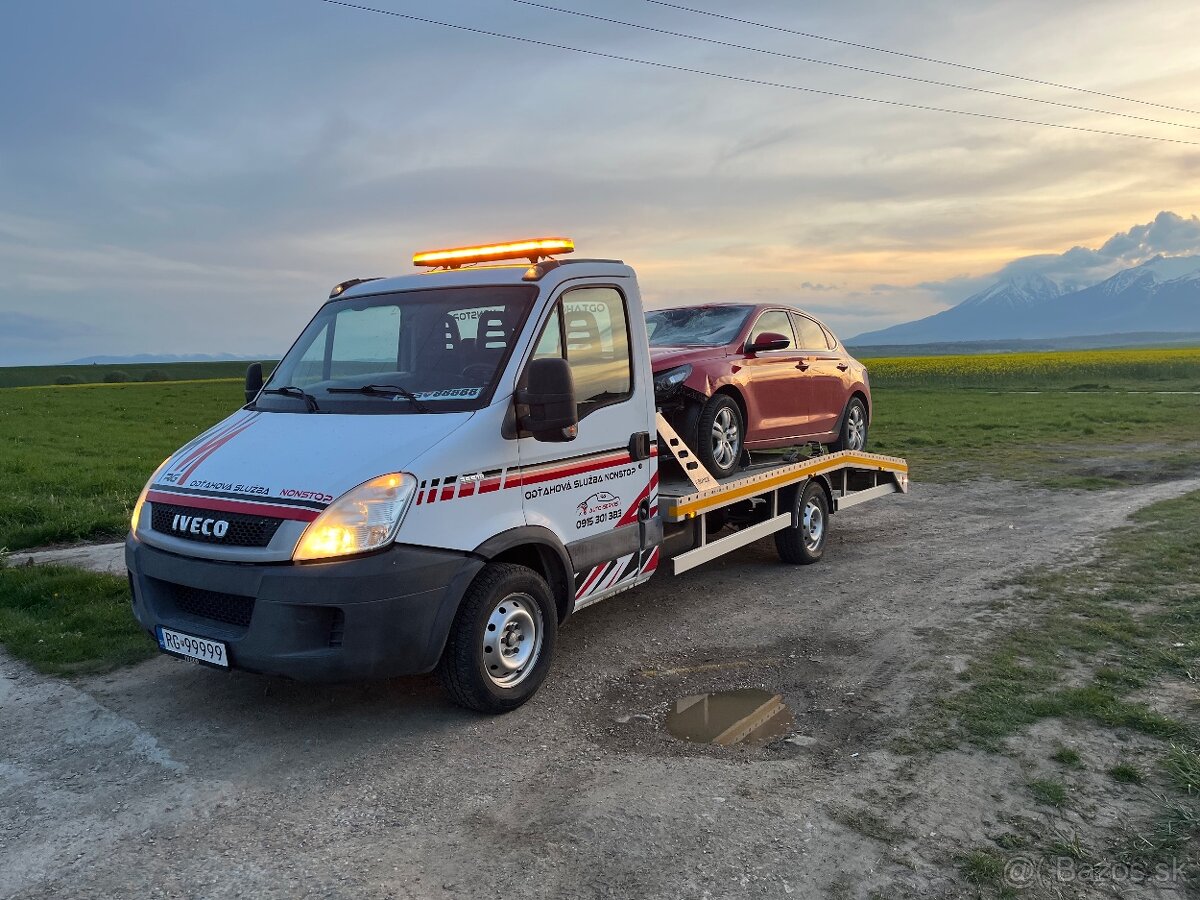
(141,500)
(362,519)
(672,377)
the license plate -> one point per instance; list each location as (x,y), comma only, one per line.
(198,648)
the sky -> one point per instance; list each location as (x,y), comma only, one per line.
(193,176)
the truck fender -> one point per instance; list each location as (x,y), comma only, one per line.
(540,549)
(788,496)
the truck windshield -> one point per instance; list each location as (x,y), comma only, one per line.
(422,351)
(695,326)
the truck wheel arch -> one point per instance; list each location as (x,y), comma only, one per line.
(788,497)
(537,548)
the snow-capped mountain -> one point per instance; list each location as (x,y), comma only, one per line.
(983,316)
(1161,294)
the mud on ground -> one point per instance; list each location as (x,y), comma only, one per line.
(169,780)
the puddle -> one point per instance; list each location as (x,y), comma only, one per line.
(746,716)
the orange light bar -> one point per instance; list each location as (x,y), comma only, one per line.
(532,250)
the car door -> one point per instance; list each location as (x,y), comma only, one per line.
(777,408)
(823,376)
(595,490)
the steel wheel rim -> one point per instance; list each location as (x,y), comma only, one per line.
(512,640)
(856,428)
(813,525)
(725,438)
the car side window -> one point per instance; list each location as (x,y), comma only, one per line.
(775,321)
(812,335)
(830,340)
(593,326)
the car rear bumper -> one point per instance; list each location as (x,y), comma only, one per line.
(368,617)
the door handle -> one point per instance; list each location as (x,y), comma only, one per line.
(802,365)
(842,367)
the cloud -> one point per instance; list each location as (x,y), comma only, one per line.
(1167,234)
(23,327)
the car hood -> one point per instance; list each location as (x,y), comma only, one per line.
(668,357)
(301,458)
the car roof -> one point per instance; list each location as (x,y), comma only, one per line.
(754,307)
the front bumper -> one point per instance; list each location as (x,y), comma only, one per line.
(368,617)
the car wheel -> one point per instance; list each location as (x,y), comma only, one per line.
(806,544)
(719,436)
(502,640)
(854,427)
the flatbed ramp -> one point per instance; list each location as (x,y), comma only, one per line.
(689,492)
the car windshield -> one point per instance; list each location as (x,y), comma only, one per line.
(422,351)
(695,326)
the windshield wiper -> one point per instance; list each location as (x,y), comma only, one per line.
(290,390)
(384,390)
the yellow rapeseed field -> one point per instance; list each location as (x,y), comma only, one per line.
(1134,368)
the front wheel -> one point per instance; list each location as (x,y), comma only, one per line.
(806,544)
(719,436)
(502,640)
(854,427)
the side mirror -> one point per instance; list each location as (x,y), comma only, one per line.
(769,340)
(548,398)
(254,381)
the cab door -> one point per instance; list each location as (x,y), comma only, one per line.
(776,399)
(594,491)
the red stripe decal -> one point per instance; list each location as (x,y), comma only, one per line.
(220,433)
(448,493)
(631,513)
(468,488)
(592,577)
(213,448)
(651,561)
(536,475)
(618,570)
(488,485)
(250,508)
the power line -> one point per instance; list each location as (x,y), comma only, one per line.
(928,59)
(747,80)
(825,62)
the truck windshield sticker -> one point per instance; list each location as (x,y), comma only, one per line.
(465,393)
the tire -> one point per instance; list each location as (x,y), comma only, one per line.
(476,671)
(720,436)
(853,435)
(806,544)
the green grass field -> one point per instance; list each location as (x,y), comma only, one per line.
(67,622)
(73,459)
(37,376)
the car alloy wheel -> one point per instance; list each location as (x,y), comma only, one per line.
(726,438)
(856,427)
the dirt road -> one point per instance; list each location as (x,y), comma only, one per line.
(172,780)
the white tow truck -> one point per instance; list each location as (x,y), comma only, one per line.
(443,468)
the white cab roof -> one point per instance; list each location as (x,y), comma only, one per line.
(480,275)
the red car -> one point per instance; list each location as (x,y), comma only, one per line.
(732,377)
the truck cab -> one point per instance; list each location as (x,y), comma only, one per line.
(421,429)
